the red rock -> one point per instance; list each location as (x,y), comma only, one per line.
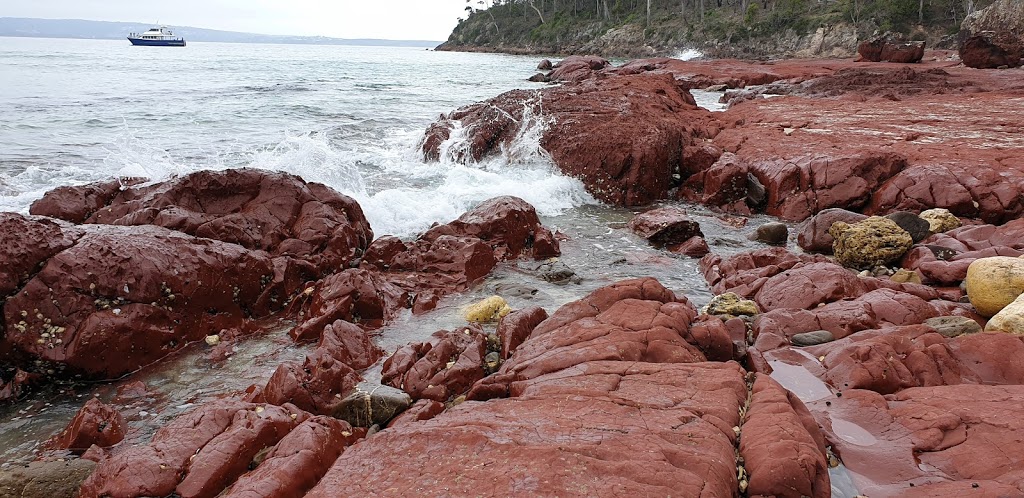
(667,226)
(515,327)
(936,439)
(25,244)
(695,247)
(797,183)
(317,385)
(424,409)
(812,234)
(349,344)
(717,342)
(943,258)
(354,295)
(123,297)
(77,203)
(875,309)
(890,49)
(297,462)
(782,449)
(196,454)
(593,132)
(597,429)
(993,36)
(442,368)
(14,387)
(508,224)
(983,51)
(633,320)
(577,68)
(95,424)
(545,244)
(309,229)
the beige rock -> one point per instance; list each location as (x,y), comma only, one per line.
(488,310)
(992,283)
(941,220)
(904,275)
(875,241)
(59,479)
(730,304)
(1010,319)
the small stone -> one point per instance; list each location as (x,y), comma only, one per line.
(372,404)
(904,275)
(918,228)
(732,305)
(492,361)
(940,220)
(212,340)
(772,233)
(953,326)
(812,338)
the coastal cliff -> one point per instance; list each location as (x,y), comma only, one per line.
(741,28)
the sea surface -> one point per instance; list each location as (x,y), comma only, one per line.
(79,111)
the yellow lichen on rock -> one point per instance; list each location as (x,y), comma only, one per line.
(992,283)
(875,241)
(940,220)
(488,310)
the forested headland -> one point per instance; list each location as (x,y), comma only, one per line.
(743,28)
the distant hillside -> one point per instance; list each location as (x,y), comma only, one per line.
(719,28)
(103,30)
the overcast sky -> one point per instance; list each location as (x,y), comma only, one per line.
(392,19)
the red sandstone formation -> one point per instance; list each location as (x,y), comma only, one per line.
(890,49)
(95,424)
(328,374)
(308,229)
(668,226)
(103,301)
(444,367)
(592,130)
(929,441)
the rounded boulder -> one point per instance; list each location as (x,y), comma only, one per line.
(869,243)
(992,283)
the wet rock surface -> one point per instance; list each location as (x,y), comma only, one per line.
(591,126)
(626,390)
(308,229)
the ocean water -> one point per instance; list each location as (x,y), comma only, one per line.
(78,111)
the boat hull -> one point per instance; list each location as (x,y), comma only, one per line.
(157,43)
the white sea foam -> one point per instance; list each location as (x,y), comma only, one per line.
(688,54)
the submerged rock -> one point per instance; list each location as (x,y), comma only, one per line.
(667,226)
(812,338)
(372,405)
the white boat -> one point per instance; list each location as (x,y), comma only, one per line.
(157,37)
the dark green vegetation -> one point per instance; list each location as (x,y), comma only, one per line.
(720,27)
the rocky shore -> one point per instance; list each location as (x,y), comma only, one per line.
(869,350)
